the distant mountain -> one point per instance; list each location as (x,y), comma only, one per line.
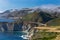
(43,13)
(16,12)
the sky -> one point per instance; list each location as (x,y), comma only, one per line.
(18,4)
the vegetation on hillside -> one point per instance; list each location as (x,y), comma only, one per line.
(43,17)
(54,22)
(44,35)
(32,17)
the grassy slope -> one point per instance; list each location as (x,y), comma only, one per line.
(44,36)
(32,17)
(54,22)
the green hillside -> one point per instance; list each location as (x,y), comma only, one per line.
(54,22)
(45,36)
(32,17)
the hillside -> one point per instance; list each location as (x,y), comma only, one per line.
(41,17)
(54,22)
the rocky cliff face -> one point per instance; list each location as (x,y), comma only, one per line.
(11,27)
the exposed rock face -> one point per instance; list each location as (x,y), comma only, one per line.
(18,27)
(4,26)
(11,27)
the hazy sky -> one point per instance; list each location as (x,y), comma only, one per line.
(12,4)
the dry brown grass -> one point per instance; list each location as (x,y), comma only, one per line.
(49,29)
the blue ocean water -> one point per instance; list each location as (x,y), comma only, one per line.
(15,35)
(11,35)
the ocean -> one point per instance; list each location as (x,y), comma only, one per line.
(15,35)
(11,35)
